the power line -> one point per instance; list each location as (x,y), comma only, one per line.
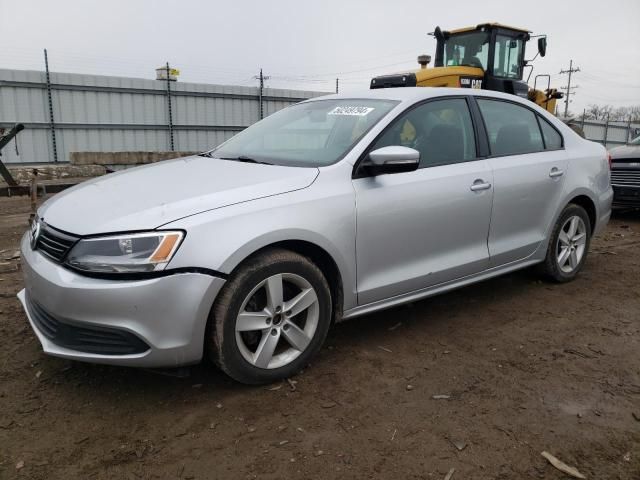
(598,80)
(568,87)
(110,65)
(360,70)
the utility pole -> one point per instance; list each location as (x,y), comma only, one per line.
(568,87)
(337,85)
(170,113)
(52,126)
(262,78)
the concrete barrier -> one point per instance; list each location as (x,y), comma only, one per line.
(86,165)
(64,172)
(130,159)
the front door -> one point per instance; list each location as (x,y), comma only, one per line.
(418,229)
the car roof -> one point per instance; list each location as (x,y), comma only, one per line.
(415,94)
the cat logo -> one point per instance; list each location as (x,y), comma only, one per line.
(466,82)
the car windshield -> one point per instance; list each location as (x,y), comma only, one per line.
(468,49)
(308,134)
(635,141)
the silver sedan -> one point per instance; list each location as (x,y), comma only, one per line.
(329,209)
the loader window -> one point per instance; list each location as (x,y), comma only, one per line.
(506,63)
(467,49)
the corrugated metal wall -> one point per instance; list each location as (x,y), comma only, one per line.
(109,114)
(610,134)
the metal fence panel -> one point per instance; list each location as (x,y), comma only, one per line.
(609,134)
(108,114)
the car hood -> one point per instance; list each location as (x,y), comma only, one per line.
(148,197)
(624,152)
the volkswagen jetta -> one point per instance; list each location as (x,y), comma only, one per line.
(329,209)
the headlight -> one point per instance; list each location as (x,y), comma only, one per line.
(127,253)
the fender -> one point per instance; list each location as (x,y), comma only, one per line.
(258,243)
(221,239)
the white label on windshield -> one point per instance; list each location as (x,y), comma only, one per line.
(357,111)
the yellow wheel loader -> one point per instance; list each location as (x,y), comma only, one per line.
(488,56)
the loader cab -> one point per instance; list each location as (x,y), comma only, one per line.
(497,49)
(489,56)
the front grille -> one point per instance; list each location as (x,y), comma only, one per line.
(54,243)
(83,338)
(625,178)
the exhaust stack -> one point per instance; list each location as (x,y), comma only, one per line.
(424,60)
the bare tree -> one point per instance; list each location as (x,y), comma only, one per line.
(593,112)
(622,114)
(634,113)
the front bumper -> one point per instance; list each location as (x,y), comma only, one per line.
(625,196)
(168,314)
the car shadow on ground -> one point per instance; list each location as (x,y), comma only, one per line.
(442,316)
(626,214)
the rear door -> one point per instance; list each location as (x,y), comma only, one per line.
(529,166)
(417,229)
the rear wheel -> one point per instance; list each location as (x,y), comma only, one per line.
(569,244)
(271,318)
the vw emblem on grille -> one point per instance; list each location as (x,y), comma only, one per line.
(35,233)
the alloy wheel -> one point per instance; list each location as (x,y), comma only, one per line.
(277,321)
(572,243)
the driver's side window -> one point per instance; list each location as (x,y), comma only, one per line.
(440,130)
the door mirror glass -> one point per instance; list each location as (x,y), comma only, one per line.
(393,159)
(542,46)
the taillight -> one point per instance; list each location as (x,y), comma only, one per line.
(610,160)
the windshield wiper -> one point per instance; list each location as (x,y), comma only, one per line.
(240,158)
(245,159)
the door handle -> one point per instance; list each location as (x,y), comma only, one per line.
(555,172)
(480,185)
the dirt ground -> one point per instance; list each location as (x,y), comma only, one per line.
(481,380)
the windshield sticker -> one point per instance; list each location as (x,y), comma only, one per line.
(347,110)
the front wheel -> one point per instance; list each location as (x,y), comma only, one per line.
(271,317)
(569,244)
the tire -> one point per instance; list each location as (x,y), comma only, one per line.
(557,266)
(252,312)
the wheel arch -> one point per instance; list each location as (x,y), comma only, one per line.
(318,254)
(582,197)
(325,262)
(590,207)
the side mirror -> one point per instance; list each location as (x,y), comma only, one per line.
(438,34)
(542,46)
(393,159)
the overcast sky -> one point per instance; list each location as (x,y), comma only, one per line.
(307,45)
